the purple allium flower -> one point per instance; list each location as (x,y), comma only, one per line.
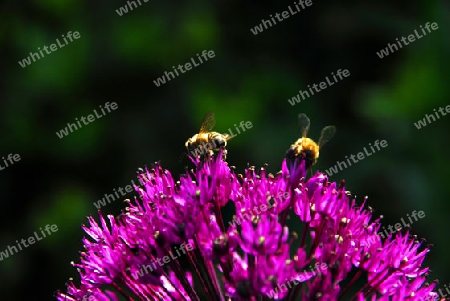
(173,244)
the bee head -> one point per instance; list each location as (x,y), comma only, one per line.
(219,142)
(291,154)
(307,155)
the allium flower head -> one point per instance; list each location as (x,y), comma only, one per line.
(172,242)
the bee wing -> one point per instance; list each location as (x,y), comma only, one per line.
(303,124)
(326,134)
(208,122)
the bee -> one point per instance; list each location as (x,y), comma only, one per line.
(206,142)
(307,147)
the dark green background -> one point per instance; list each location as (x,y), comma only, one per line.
(250,79)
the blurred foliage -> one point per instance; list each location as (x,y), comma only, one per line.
(250,78)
